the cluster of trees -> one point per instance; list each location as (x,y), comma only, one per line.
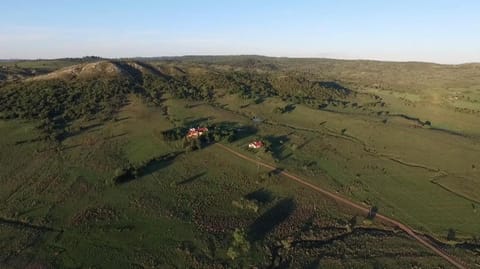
(174,134)
(303,88)
(297,88)
(156,85)
(56,103)
(239,245)
(286,109)
(252,85)
(248,85)
(216,132)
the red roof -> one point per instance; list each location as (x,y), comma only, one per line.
(196,131)
(256,144)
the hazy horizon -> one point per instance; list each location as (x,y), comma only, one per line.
(431,31)
(234,55)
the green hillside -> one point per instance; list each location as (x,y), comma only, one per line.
(97,171)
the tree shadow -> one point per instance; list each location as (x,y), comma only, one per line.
(84,129)
(232,131)
(196,122)
(262,196)
(259,100)
(267,222)
(308,141)
(72,146)
(289,108)
(121,119)
(148,168)
(315,264)
(158,163)
(116,136)
(332,85)
(244,131)
(275,172)
(284,157)
(194,105)
(276,145)
(20,142)
(192,178)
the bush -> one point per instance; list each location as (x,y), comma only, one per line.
(239,245)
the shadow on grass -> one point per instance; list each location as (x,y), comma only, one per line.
(83,129)
(244,131)
(72,146)
(267,222)
(262,196)
(121,119)
(38,139)
(308,141)
(289,108)
(231,131)
(116,136)
(276,145)
(196,122)
(191,179)
(334,86)
(148,168)
(275,172)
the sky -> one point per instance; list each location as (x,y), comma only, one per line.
(442,31)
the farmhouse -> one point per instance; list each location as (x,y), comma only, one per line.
(196,132)
(255,145)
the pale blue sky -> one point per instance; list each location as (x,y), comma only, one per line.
(444,31)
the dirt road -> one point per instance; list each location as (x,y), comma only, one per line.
(354,205)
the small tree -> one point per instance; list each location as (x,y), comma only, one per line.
(119,172)
(240,244)
(197,144)
(353,221)
(451,234)
(373,212)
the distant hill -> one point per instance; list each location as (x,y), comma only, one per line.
(318,83)
(99,168)
(90,89)
(90,70)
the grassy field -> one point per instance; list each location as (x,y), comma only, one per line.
(376,164)
(63,205)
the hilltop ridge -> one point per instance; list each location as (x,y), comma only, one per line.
(99,69)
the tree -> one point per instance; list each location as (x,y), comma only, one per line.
(373,212)
(217,137)
(197,144)
(119,171)
(353,221)
(239,244)
(451,234)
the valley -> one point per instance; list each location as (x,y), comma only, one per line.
(97,171)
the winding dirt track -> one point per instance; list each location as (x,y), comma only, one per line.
(354,205)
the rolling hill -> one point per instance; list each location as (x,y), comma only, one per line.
(97,170)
